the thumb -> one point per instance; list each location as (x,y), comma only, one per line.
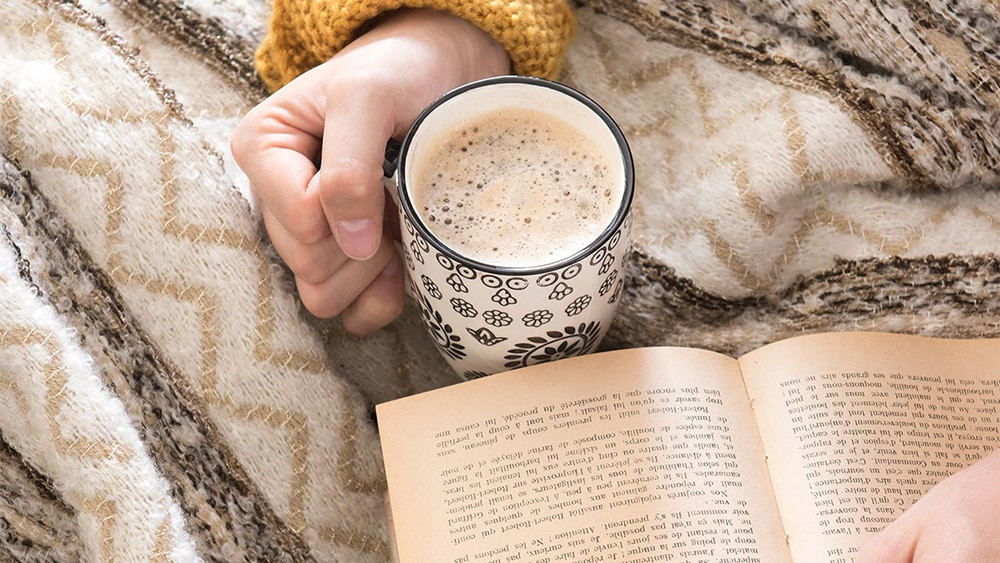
(359,122)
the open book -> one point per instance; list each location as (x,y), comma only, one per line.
(799,451)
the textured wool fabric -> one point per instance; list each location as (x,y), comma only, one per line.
(785,185)
(304,33)
(56,414)
(744,184)
(123,171)
(40,527)
(227,516)
(920,78)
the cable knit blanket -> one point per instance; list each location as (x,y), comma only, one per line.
(801,166)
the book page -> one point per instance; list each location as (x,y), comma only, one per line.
(858,426)
(628,456)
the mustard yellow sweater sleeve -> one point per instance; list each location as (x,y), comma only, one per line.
(305,33)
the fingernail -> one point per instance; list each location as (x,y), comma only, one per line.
(358,238)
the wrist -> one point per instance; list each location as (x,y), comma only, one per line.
(475,53)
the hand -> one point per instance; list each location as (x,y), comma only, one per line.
(956,521)
(328,225)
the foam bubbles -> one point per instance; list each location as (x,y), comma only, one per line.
(516,187)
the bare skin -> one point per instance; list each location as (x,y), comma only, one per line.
(327,222)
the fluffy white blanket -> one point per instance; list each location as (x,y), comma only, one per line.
(164,396)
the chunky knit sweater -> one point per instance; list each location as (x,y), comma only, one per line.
(306,33)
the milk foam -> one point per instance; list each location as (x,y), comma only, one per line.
(516,188)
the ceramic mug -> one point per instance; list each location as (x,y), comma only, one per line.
(487,318)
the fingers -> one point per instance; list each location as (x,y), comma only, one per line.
(332,296)
(277,158)
(380,303)
(377,305)
(895,544)
(312,262)
(359,122)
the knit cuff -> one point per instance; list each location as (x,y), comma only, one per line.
(305,33)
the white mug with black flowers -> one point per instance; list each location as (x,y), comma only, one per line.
(486,318)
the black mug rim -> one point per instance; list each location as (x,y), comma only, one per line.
(623,210)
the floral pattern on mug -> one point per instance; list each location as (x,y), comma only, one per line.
(463,307)
(608,283)
(537,318)
(578,305)
(431,287)
(409,259)
(444,335)
(560,291)
(616,293)
(415,249)
(457,284)
(503,298)
(497,318)
(577,285)
(606,264)
(598,256)
(554,345)
(485,336)
(445,262)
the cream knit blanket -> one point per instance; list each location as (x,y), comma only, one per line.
(164,396)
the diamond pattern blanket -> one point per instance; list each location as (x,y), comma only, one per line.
(164,396)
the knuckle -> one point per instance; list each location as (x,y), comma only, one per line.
(348,182)
(304,265)
(295,261)
(390,308)
(396,309)
(374,311)
(304,219)
(312,273)
(321,304)
(355,325)
(308,231)
(239,142)
(357,81)
(245,138)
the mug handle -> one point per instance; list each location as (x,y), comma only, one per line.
(390,165)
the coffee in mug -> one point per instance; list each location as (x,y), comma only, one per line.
(516,188)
